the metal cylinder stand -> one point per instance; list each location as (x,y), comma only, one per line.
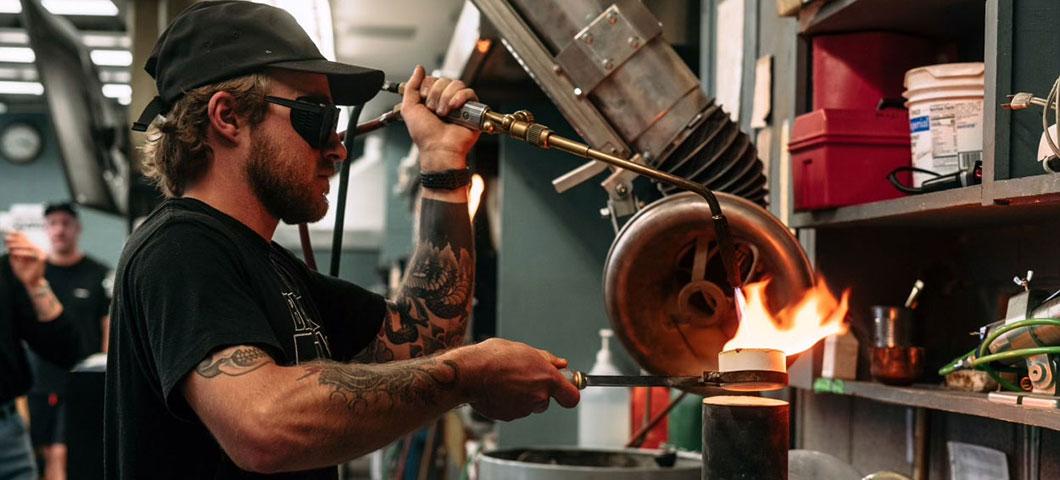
(745,438)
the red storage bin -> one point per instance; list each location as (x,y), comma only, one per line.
(842,157)
(856,70)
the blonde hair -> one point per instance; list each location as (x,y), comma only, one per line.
(176,153)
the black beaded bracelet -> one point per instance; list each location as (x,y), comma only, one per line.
(446,180)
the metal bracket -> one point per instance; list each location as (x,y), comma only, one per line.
(1042,371)
(619,187)
(578,176)
(606,43)
(539,63)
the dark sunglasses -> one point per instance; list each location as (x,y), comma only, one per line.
(314,121)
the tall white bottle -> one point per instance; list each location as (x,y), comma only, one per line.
(603,413)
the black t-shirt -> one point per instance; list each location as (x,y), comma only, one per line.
(79,287)
(56,340)
(192,280)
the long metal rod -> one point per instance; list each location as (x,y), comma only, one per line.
(521,126)
(539,135)
(741,380)
(922,437)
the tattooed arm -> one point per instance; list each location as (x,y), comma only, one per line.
(270,418)
(431,309)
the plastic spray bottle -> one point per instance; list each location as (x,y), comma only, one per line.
(604,411)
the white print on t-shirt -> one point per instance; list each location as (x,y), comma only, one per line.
(307,333)
(309,342)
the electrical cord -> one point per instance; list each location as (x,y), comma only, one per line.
(1051,99)
(1023,100)
(998,332)
(979,358)
(893,178)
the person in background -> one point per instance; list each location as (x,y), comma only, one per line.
(78,283)
(31,313)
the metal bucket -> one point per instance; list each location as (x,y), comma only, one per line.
(574,463)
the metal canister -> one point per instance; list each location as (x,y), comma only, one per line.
(892,326)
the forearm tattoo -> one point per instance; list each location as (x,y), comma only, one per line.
(233,363)
(45,304)
(420,382)
(431,310)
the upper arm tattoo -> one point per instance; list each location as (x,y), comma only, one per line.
(431,310)
(233,362)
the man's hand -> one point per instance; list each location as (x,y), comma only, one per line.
(27,259)
(511,380)
(443,146)
(27,262)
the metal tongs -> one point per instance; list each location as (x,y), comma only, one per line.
(737,381)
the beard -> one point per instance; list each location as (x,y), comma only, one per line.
(276,184)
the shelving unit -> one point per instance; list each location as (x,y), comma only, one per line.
(965,243)
(927,208)
(996,203)
(936,398)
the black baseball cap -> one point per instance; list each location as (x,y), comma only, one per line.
(218,40)
(60,207)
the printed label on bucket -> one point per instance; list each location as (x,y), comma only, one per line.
(945,135)
(943,139)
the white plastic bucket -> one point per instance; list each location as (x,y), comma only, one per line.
(945,105)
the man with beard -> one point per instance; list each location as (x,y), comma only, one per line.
(78,282)
(229,358)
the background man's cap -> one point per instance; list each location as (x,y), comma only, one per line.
(60,207)
(219,40)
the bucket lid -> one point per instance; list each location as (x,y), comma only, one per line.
(944,72)
(958,89)
(964,95)
(921,94)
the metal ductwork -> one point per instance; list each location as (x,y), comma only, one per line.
(623,88)
(607,68)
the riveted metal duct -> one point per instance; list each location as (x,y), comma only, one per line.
(608,69)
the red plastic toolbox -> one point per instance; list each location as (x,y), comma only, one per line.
(842,157)
(856,70)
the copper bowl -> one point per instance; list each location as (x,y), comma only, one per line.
(897,365)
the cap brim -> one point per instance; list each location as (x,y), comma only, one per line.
(350,84)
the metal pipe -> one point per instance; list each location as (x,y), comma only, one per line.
(745,437)
(921,438)
(521,126)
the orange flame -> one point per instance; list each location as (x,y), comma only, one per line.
(793,329)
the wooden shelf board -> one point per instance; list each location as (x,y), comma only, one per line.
(936,398)
(930,18)
(1011,201)
(1043,188)
(910,210)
